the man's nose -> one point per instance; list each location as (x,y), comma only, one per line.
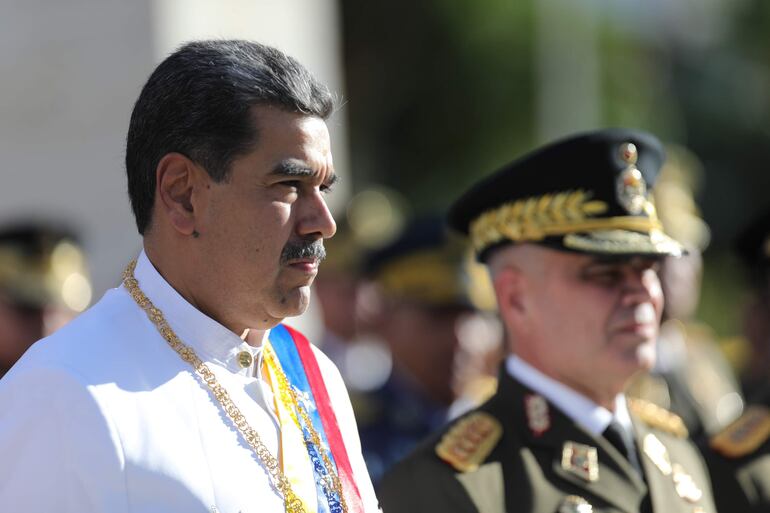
(641,286)
(316,218)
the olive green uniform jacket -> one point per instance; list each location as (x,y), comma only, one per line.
(517,469)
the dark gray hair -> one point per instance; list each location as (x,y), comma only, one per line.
(198,102)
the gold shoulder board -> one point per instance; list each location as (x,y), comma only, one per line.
(470,441)
(657,417)
(745,434)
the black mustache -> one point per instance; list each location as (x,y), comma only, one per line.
(303,249)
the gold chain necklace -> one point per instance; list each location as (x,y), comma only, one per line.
(281,482)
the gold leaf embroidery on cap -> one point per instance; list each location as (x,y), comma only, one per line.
(533,219)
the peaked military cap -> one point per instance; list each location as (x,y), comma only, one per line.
(423,264)
(588,193)
(42,265)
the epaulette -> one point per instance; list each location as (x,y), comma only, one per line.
(470,441)
(657,417)
(745,434)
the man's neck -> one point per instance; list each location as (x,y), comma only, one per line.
(172,271)
(254,337)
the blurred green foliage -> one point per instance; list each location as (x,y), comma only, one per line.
(432,101)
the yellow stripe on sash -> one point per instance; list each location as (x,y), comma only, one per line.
(294,456)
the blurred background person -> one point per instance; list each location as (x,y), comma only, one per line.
(753,247)
(418,304)
(336,288)
(691,376)
(481,347)
(43,284)
(371,219)
(739,455)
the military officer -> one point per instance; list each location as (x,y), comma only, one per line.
(422,301)
(753,247)
(573,245)
(739,456)
(43,284)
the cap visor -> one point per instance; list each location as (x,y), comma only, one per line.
(623,242)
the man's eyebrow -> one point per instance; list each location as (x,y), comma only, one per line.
(600,262)
(611,260)
(296,169)
(292,168)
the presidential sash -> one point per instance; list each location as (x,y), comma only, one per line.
(304,409)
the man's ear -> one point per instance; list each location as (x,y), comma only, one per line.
(176,179)
(509,282)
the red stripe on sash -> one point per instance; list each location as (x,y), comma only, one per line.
(328,419)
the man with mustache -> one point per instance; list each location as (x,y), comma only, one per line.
(573,245)
(181,390)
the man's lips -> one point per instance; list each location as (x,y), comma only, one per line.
(644,329)
(642,322)
(308,265)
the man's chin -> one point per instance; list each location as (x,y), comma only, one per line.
(646,355)
(634,361)
(294,303)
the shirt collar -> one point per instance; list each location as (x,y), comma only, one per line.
(211,341)
(576,406)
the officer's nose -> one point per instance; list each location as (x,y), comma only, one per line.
(641,284)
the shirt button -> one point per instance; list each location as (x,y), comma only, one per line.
(245,359)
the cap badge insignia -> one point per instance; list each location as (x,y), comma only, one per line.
(581,460)
(685,485)
(631,188)
(656,451)
(575,504)
(538,416)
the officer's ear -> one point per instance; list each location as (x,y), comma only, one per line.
(509,286)
(179,184)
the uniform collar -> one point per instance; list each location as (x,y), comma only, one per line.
(592,417)
(211,341)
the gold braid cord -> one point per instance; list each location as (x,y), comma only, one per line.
(281,482)
(533,219)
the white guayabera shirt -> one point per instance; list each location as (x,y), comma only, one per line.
(103,416)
